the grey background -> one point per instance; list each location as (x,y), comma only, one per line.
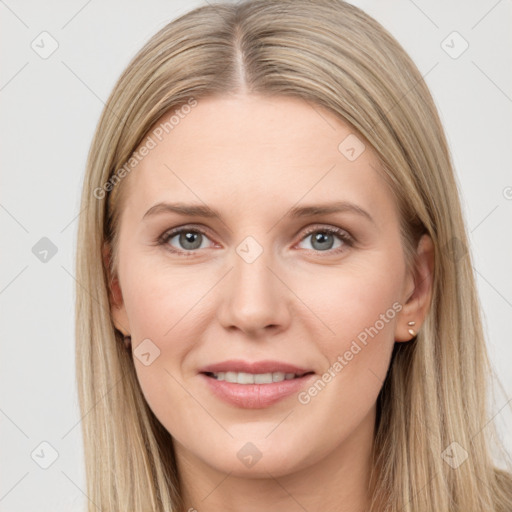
(50,107)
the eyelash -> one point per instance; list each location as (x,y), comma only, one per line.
(347,239)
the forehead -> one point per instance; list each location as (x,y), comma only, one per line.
(255,151)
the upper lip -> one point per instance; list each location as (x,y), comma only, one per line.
(237,365)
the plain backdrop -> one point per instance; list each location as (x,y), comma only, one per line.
(50,108)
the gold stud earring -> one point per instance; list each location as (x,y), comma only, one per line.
(411,332)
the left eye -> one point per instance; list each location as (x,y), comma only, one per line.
(322,240)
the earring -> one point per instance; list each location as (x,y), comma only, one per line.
(411,331)
(127,341)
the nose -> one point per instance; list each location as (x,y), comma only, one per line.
(255,299)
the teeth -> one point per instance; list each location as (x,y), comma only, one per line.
(253,378)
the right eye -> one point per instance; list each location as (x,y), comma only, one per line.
(190,240)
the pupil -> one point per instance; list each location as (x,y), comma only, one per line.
(192,238)
(321,238)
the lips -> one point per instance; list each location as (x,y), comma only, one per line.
(254,385)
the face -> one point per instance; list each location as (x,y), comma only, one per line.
(270,280)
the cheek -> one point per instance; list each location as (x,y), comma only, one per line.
(159,305)
(361,310)
(167,305)
(360,307)
(159,300)
(360,302)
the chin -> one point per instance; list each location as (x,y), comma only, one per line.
(257,458)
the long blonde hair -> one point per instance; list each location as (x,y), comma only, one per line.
(331,54)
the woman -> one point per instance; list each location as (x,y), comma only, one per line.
(286,315)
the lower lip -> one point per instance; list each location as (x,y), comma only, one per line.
(255,396)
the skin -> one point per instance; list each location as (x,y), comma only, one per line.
(253,158)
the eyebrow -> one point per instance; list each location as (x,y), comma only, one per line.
(192,210)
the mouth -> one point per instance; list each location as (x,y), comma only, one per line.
(254,385)
(254,378)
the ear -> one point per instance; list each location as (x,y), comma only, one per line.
(417,291)
(117,308)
